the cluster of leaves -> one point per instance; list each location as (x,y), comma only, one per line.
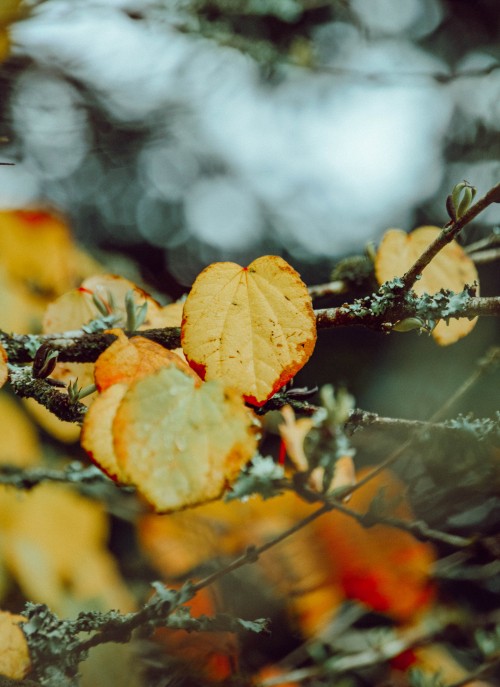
(168,402)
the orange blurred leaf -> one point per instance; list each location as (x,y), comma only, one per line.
(181,443)
(384,567)
(212,655)
(451,269)
(14,655)
(252,327)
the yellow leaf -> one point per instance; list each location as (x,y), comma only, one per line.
(252,327)
(129,359)
(451,269)
(4,43)
(293,433)
(71,311)
(14,655)
(67,432)
(36,247)
(10,10)
(20,310)
(169,316)
(77,307)
(61,535)
(181,443)
(344,475)
(19,446)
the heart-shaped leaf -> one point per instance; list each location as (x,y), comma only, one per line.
(252,327)
(181,443)
(451,269)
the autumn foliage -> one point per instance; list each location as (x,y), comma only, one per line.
(179,431)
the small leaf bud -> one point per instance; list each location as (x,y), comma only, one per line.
(44,361)
(408,324)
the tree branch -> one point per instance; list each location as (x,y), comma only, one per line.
(79,345)
(58,402)
(485,256)
(484,365)
(448,233)
(480,427)
(380,311)
(74,473)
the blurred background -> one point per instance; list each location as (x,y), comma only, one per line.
(183,132)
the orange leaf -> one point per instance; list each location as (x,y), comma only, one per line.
(212,655)
(14,656)
(386,568)
(252,327)
(451,269)
(37,248)
(129,359)
(96,437)
(181,443)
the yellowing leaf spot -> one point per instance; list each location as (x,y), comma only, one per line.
(252,327)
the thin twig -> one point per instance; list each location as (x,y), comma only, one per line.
(492,240)
(484,365)
(332,288)
(416,527)
(75,473)
(252,553)
(364,418)
(482,671)
(448,233)
(485,256)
